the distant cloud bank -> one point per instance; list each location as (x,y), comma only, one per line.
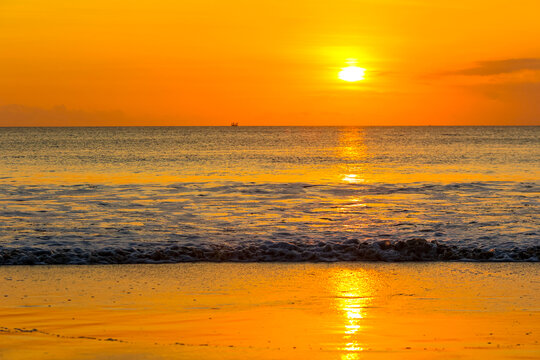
(21,115)
(486,68)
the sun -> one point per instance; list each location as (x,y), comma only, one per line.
(352,73)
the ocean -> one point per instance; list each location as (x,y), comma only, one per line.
(116,195)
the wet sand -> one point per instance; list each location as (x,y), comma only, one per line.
(271,311)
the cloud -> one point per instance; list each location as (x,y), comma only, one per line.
(505,91)
(488,68)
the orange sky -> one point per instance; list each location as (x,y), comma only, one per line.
(210,62)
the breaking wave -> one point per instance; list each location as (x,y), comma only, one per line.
(416,249)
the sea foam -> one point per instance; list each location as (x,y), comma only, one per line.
(409,250)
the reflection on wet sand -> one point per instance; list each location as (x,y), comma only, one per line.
(354,294)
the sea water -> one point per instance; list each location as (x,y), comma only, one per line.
(175,194)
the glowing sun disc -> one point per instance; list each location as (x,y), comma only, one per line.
(352,73)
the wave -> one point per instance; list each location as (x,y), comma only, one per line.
(416,249)
(225,221)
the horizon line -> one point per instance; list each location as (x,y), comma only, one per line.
(250,126)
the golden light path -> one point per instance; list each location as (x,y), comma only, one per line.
(354,152)
(354,293)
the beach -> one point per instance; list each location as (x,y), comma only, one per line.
(269,180)
(363,310)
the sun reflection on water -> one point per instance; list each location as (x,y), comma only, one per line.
(353,153)
(351,356)
(352,179)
